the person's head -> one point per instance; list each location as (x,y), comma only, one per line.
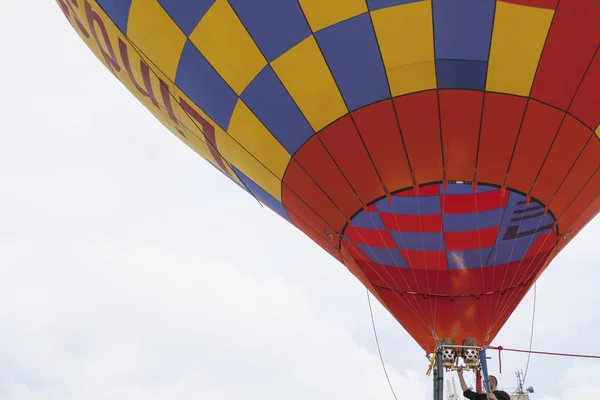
(493,382)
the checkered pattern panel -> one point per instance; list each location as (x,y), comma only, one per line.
(266,75)
(448,229)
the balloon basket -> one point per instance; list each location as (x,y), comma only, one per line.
(449,357)
(466,355)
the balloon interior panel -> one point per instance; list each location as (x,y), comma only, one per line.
(444,151)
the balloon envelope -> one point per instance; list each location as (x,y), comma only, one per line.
(444,151)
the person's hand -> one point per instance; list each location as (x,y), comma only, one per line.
(492,396)
(459,370)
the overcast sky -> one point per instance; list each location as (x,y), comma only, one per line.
(131,269)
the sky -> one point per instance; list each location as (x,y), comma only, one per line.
(132,269)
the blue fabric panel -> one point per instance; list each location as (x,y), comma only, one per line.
(351,51)
(201,83)
(117,10)
(411,205)
(517,233)
(271,103)
(389,257)
(371,221)
(426,241)
(459,188)
(472,221)
(460,74)
(186,13)
(275,25)
(463,29)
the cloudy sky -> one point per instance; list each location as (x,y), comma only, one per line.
(131,269)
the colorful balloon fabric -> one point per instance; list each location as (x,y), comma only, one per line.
(445,151)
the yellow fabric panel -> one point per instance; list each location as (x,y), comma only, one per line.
(517,43)
(305,74)
(152,30)
(228,47)
(323,13)
(252,135)
(405,36)
(597,131)
(249,165)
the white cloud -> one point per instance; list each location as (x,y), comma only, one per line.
(144,323)
(579,381)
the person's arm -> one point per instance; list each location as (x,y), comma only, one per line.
(467,392)
(461,378)
(471,395)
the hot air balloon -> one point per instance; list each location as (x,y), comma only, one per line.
(444,151)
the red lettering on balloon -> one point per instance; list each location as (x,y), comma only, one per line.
(67,9)
(209,133)
(513,232)
(166,97)
(109,54)
(147,91)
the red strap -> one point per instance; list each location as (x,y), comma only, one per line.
(547,353)
(500,348)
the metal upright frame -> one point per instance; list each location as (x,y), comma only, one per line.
(484,369)
(480,366)
(438,377)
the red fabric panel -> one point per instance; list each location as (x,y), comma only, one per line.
(379,130)
(429,190)
(502,116)
(476,202)
(315,160)
(569,143)
(582,171)
(349,153)
(420,126)
(586,105)
(412,223)
(539,128)
(460,111)
(308,203)
(569,49)
(425,260)
(587,195)
(371,237)
(470,240)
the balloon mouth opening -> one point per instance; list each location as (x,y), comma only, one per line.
(455,226)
